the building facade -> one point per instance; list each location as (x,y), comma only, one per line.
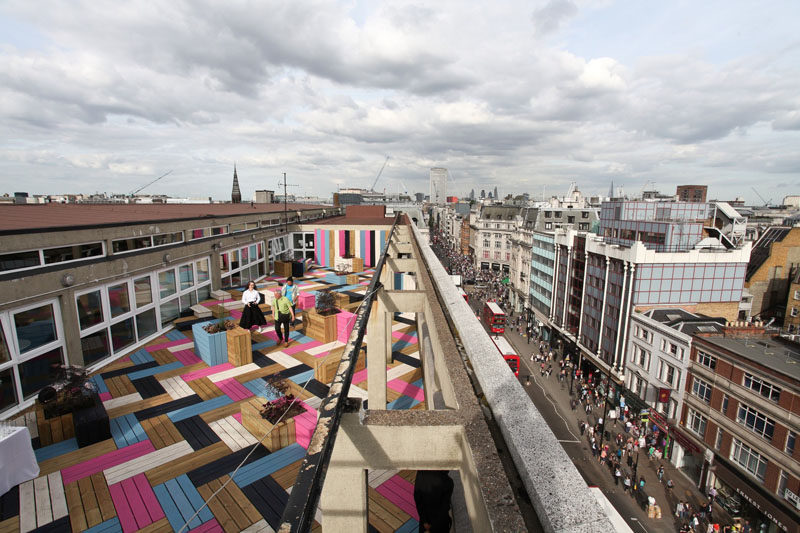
(491,230)
(741,411)
(520,268)
(791,322)
(692,193)
(438,186)
(774,257)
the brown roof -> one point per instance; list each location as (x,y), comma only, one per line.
(361,215)
(32,217)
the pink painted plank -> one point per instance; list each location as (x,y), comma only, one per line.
(149,497)
(291,350)
(107,460)
(212,526)
(399,335)
(203,372)
(126,359)
(138,508)
(401,493)
(168,344)
(124,512)
(233,389)
(407,389)
(105,396)
(187,357)
(238,417)
(235,313)
(359,376)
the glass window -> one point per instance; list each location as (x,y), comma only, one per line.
(166,283)
(146,323)
(188,300)
(40,371)
(224,264)
(95,347)
(697,423)
(167,238)
(122,334)
(169,312)
(749,459)
(707,360)
(128,245)
(245,256)
(143,292)
(234,259)
(762,387)
(17,260)
(70,253)
(187,278)
(790,441)
(297,239)
(118,299)
(202,270)
(702,390)
(90,309)
(755,421)
(5,354)
(8,389)
(35,327)
(203,293)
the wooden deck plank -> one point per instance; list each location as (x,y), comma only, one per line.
(205,388)
(162,526)
(175,372)
(44,512)
(104,501)
(57,498)
(163,356)
(226,410)
(10,526)
(138,406)
(188,462)
(77,518)
(232,506)
(90,506)
(217,507)
(287,475)
(260,373)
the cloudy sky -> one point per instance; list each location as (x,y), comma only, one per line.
(103,96)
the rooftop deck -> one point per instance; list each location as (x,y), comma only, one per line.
(177,435)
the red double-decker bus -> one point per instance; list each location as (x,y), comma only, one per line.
(508,353)
(494,318)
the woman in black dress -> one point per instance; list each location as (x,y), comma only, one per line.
(251,314)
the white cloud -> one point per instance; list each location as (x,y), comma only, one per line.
(114,94)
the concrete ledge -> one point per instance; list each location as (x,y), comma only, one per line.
(220,295)
(201,311)
(562,500)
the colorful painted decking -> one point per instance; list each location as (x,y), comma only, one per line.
(177,437)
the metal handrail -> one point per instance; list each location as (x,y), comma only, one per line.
(298,515)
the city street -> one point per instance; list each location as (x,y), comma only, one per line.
(552,399)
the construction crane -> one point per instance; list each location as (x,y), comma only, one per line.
(379,174)
(766,202)
(152,182)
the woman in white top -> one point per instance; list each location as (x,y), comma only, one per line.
(251,314)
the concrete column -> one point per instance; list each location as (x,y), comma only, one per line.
(603,311)
(216,273)
(551,314)
(583,290)
(566,289)
(378,353)
(621,320)
(343,501)
(71,330)
(626,312)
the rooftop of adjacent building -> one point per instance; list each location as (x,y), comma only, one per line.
(762,248)
(686,322)
(26,218)
(752,343)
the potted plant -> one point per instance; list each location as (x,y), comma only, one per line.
(210,340)
(274,416)
(320,323)
(71,392)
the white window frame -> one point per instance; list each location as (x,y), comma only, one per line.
(16,358)
(152,245)
(764,385)
(707,360)
(41,251)
(663,370)
(738,448)
(757,415)
(702,389)
(696,418)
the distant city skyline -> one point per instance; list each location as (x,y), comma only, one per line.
(519,96)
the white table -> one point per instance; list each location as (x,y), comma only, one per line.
(17,460)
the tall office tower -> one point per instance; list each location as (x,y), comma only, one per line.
(438,194)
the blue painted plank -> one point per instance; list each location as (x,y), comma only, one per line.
(182,503)
(269,464)
(403,402)
(127,430)
(109,526)
(399,345)
(259,387)
(155,370)
(175,335)
(199,408)
(99,383)
(302,377)
(266,344)
(54,450)
(412,526)
(194,498)
(141,356)
(168,505)
(299,337)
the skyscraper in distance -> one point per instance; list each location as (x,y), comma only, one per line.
(438,185)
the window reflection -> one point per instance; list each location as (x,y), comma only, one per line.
(35,327)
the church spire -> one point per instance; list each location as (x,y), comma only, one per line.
(236,194)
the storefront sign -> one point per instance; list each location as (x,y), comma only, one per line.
(658,419)
(684,441)
(748,490)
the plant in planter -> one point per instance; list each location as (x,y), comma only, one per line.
(326,303)
(220,326)
(70,392)
(274,410)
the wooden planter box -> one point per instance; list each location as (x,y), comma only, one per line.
(210,347)
(283,268)
(240,347)
(353,279)
(281,436)
(319,327)
(341,299)
(325,367)
(358,265)
(53,430)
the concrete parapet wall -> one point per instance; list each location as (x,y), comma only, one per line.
(559,494)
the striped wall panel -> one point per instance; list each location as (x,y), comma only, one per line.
(330,244)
